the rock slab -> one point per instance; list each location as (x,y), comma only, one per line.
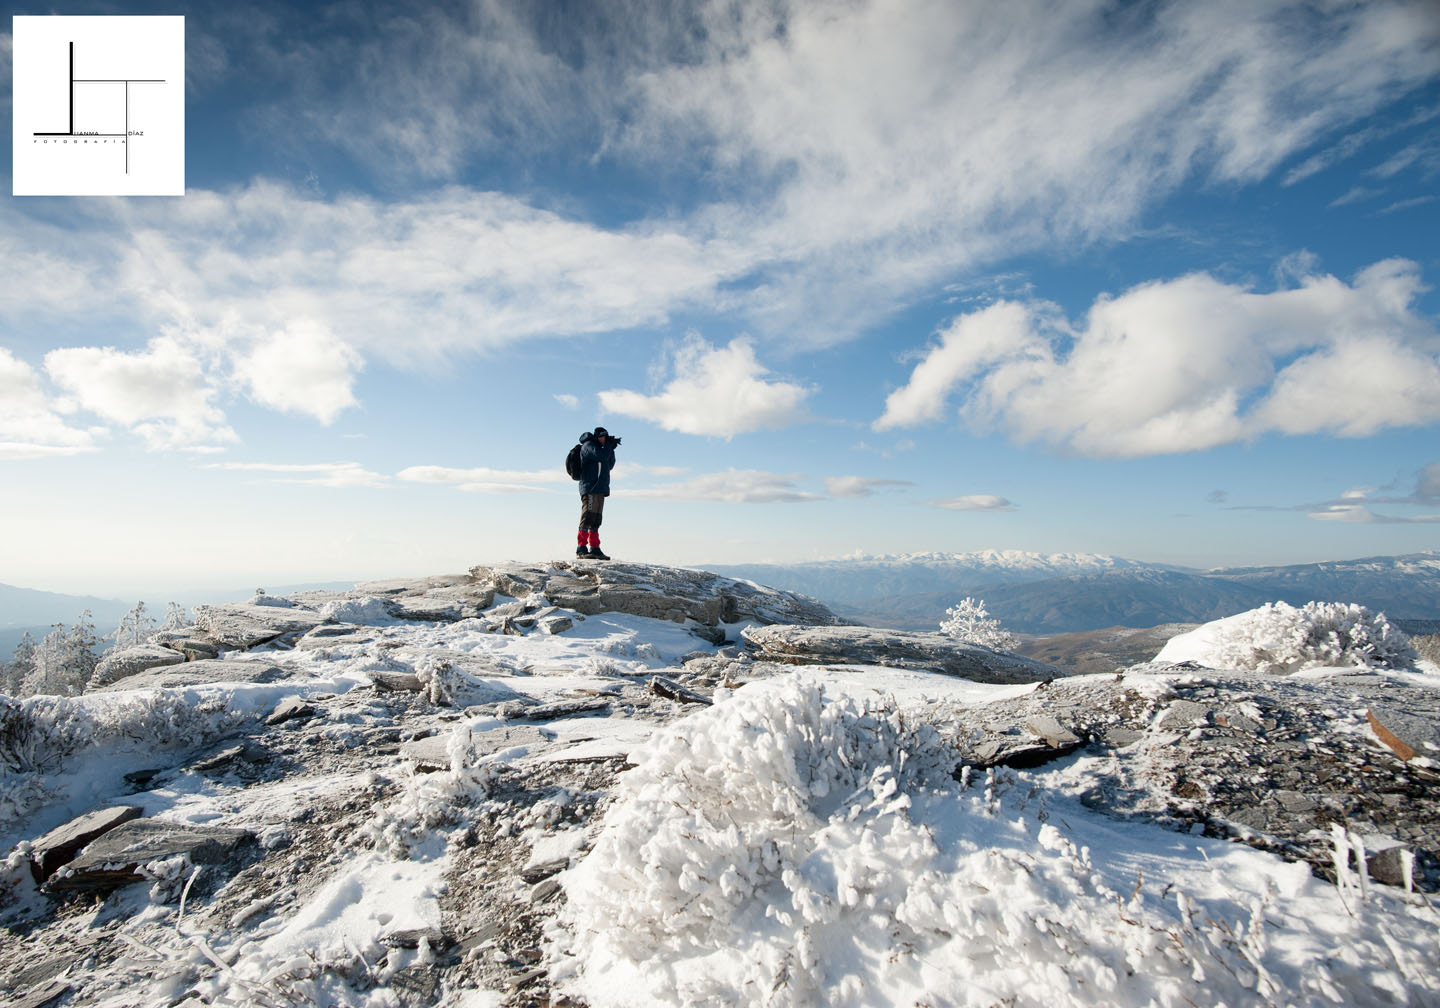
(113,859)
(901,649)
(60,846)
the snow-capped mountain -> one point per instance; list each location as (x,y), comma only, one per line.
(856,580)
(1074,592)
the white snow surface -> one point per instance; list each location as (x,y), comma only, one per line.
(801,842)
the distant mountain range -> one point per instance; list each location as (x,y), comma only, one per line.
(1038,593)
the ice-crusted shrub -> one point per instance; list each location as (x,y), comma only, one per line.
(969,622)
(39,734)
(434,801)
(781,849)
(1279,639)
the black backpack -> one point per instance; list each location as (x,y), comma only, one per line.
(572,463)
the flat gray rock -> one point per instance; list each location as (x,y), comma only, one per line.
(112,860)
(60,846)
(241,625)
(197,673)
(669,593)
(901,649)
(433,753)
(130,661)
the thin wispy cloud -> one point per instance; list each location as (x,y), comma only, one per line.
(1358,505)
(338,475)
(861,486)
(737,486)
(976,502)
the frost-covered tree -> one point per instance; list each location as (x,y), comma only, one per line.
(20,666)
(970,623)
(135,627)
(176,617)
(64,661)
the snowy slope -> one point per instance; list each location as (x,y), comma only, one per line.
(531,817)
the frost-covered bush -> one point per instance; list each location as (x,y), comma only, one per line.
(1280,639)
(783,849)
(969,623)
(40,734)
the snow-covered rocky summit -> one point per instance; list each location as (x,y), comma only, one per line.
(624,784)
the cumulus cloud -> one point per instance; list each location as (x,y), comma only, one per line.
(715,391)
(161,393)
(860,486)
(976,502)
(303,368)
(30,425)
(570,402)
(1189,364)
(339,475)
(737,486)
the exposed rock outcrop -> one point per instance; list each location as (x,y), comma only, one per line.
(902,649)
(1275,764)
(660,592)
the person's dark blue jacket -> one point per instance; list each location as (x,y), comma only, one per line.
(595,466)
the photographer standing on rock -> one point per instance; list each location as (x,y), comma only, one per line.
(597,458)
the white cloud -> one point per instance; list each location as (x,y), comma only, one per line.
(736,486)
(887,143)
(976,502)
(30,425)
(1189,364)
(485,480)
(303,368)
(716,392)
(161,393)
(340,475)
(570,402)
(860,486)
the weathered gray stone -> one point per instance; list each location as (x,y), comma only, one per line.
(1294,801)
(290,709)
(1183,714)
(433,752)
(1053,732)
(658,592)
(556,624)
(550,711)
(60,846)
(130,661)
(904,649)
(196,673)
(187,642)
(671,690)
(241,625)
(1393,866)
(395,682)
(43,995)
(112,860)
(1403,732)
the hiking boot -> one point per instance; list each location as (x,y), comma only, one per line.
(595,554)
(582,553)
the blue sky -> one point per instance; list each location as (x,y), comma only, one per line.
(1154,280)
